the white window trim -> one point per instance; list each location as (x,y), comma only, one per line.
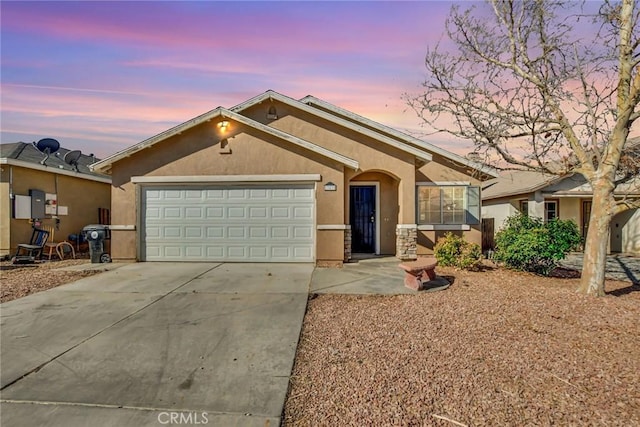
(445,183)
(334,227)
(464,204)
(377,185)
(445,227)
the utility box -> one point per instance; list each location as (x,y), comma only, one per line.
(37,203)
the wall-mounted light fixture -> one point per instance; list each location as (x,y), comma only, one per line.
(223,125)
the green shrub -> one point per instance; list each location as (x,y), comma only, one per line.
(528,244)
(454,251)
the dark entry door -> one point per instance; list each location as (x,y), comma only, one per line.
(363,218)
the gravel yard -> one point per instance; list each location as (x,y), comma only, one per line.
(21,280)
(498,348)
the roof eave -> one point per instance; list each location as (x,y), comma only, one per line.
(309,99)
(50,169)
(272,95)
(105,164)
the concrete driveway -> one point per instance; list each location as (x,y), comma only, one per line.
(155,344)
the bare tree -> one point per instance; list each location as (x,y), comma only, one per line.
(549,86)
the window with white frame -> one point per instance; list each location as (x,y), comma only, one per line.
(550,210)
(448,204)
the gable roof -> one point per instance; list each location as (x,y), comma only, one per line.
(515,183)
(316,107)
(396,134)
(512,183)
(223,113)
(272,95)
(26,155)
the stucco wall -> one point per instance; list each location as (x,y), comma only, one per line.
(5,215)
(198,152)
(82,197)
(371,154)
(627,226)
(499,210)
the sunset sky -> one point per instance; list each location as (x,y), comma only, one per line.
(101,76)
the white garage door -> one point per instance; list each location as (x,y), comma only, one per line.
(230,223)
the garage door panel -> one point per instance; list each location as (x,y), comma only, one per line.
(214,212)
(258,224)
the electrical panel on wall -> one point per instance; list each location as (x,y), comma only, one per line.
(21,207)
(37,203)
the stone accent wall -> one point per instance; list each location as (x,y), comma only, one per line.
(407,242)
(347,244)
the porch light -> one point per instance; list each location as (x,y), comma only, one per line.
(223,125)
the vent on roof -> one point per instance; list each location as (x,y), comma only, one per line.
(272,114)
(474,156)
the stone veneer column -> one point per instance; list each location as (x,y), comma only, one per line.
(407,241)
(347,243)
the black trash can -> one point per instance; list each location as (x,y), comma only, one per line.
(96,235)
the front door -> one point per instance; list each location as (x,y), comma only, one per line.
(362,215)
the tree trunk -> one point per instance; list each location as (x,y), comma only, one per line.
(597,242)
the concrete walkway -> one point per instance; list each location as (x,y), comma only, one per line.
(619,266)
(208,342)
(378,275)
(381,275)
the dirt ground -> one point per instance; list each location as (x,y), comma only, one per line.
(498,348)
(17,281)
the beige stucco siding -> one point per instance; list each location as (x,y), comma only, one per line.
(82,197)
(5,215)
(442,170)
(204,150)
(371,154)
(198,152)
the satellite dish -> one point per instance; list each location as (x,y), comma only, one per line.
(72,158)
(47,146)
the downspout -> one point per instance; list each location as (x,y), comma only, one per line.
(10,182)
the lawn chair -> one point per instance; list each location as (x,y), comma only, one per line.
(59,247)
(33,249)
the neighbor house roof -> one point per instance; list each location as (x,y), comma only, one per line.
(515,183)
(512,183)
(28,156)
(223,113)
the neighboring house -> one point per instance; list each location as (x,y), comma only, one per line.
(279,179)
(71,198)
(550,196)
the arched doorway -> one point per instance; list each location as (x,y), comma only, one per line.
(373,213)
